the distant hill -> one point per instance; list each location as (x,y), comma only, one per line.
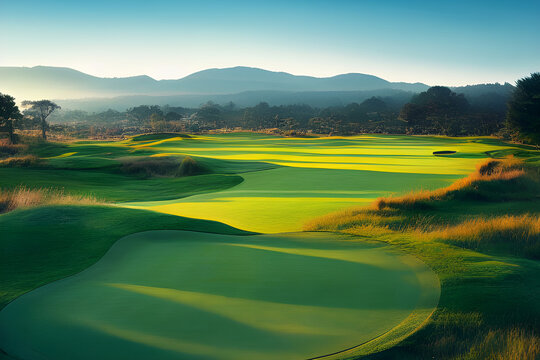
(64,83)
(319,99)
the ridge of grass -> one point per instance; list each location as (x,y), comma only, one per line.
(80,235)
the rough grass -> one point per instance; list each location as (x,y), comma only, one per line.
(21,161)
(515,234)
(163,166)
(493,180)
(7,149)
(23,197)
(476,235)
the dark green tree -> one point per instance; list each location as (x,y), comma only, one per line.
(523,113)
(438,110)
(9,116)
(41,109)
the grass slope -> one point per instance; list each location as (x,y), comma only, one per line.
(115,187)
(44,244)
(213,296)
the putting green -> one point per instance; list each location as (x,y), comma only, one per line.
(178,294)
(321,174)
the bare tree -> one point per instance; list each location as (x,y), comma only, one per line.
(42,108)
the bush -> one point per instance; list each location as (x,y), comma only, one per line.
(190,167)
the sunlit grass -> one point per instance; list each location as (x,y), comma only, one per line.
(516,234)
(23,197)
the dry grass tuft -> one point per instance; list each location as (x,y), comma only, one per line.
(516,234)
(508,344)
(20,161)
(10,149)
(22,197)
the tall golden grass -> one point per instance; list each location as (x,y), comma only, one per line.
(518,234)
(505,344)
(23,197)
(493,179)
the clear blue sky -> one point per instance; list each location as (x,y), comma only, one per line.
(435,42)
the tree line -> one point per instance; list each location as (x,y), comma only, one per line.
(439,110)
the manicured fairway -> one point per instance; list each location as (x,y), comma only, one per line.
(176,294)
(282,199)
(320,174)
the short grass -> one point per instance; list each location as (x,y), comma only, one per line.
(114,187)
(320,174)
(43,244)
(171,294)
(479,281)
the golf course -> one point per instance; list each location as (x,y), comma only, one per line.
(173,246)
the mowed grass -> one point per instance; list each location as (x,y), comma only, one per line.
(320,174)
(282,199)
(171,294)
(113,187)
(44,244)
(480,235)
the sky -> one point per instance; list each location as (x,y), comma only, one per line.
(435,42)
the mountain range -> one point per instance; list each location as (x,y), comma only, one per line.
(64,83)
(245,86)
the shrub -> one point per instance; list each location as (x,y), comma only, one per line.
(150,166)
(190,167)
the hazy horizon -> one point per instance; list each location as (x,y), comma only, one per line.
(253,67)
(451,44)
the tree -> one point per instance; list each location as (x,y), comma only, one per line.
(438,109)
(42,109)
(9,115)
(523,113)
(141,114)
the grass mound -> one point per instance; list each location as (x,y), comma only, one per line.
(494,180)
(165,166)
(292,296)
(160,136)
(78,236)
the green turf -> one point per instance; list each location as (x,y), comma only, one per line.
(170,295)
(283,199)
(319,175)
(44,244)
(115,187)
